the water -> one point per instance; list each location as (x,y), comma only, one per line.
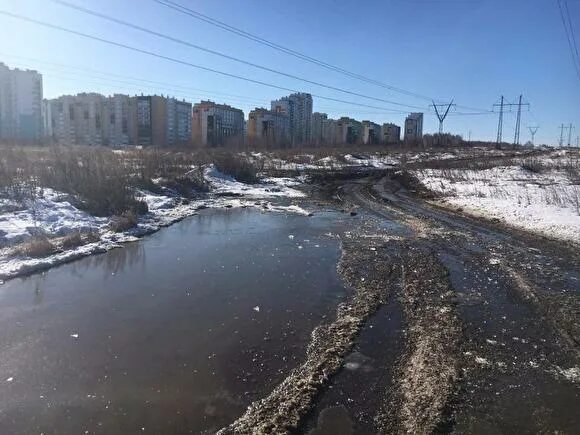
(176,333)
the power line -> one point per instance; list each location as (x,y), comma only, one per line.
(573,36)
(199,16)
(224,26)
(223,55)
(174,60)
(152,84)
(571,44)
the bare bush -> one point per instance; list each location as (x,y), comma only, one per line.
(238,166)
(36,247)
(124,222)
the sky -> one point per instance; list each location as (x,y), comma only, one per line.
(471,51)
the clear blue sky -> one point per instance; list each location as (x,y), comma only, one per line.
(470,50)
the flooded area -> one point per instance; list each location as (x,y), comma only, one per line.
(176,333)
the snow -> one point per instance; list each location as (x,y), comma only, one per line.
(53,214)
(49,213)
(547,202)
(374,161)
(276,187)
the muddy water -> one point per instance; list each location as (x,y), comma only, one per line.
(176,333)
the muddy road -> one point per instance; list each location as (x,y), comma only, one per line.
(454,325)
(381,313)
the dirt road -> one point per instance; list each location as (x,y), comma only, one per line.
(454,325)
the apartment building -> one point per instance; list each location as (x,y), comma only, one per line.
(20,105)
(298,107)
(348,131)
(318,120)
(371,133)
(118,120)
(76,119)
(217,124)
(151,120)
(178,122)
(268,128)
(414,127)
(330,131)
(120,115)
(391,133)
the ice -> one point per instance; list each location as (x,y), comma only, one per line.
(256,308)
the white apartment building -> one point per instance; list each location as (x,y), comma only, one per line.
(299,109)
(20,104)
(414,127)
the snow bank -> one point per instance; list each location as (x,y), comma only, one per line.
(547,203)
(54,215)
(50,213)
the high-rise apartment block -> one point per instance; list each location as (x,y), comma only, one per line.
(371,133)
(217,124)
(348,130)
(318,120)
(414,127)
(119,120)
(268,128)
(298,107)
(20,105)
(391,133)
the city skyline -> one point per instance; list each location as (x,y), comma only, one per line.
(481,83)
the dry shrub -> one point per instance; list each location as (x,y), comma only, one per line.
(37,247)
(71,240)
(124,222)
(238,166)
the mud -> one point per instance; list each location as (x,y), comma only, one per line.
(427,377)
(373,275)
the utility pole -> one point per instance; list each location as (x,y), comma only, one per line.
(533,131)
(500,123)
(561,142)
(570,127)
(469,136)
(577,141)
(440,116)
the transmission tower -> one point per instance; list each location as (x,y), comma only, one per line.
(561,141)
(502,105)
(500,123)
(570,128)
(442,117)
(518,121)
(533,131)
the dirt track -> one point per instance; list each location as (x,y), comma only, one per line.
(489,332)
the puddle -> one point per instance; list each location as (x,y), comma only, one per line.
(163,336)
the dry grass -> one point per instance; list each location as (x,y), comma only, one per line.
(124,222)
(36,247)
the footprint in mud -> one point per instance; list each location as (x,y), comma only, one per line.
(333,421)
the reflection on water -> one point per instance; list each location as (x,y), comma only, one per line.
(164,333)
